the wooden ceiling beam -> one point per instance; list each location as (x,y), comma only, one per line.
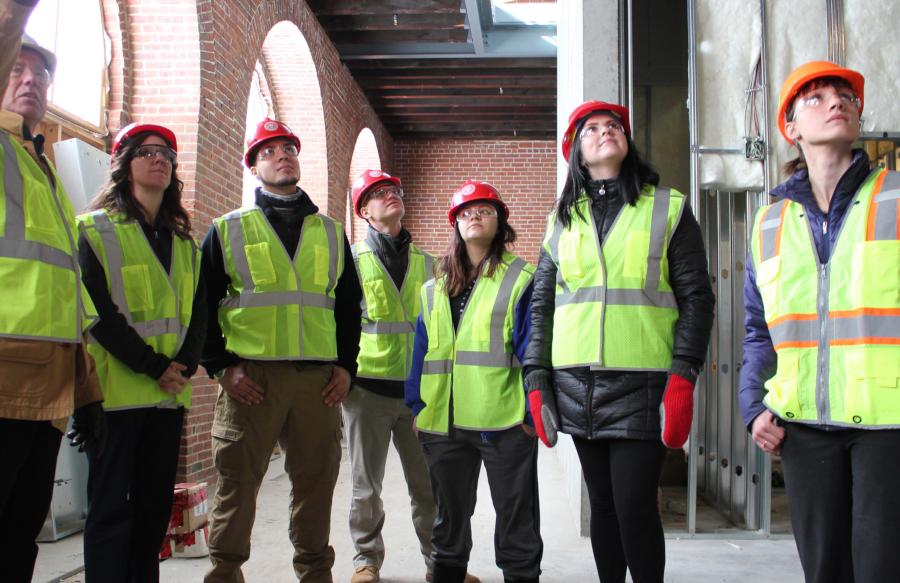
(356,7)
(371,22)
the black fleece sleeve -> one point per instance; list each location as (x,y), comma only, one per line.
(212,269)
(189,354)
(348,312)
(543,303)
(112,330)
(689,276)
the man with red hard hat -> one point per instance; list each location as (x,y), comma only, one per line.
(45,372)
(283,335)
(391,270)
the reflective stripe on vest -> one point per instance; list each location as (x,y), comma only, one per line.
(388,313)
(836,328)
(157,304)
(16,243)
(486,384)
(279,307)
(593,294)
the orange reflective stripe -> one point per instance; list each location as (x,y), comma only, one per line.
(784,208)
(873,208)
(791,317)
(796,344)
(865,340)
(864,312)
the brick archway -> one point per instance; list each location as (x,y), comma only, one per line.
(365,156)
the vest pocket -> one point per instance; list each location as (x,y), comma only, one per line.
(784,388)
(376,299)
(259,260)
(138,293)
(767,280)
(637,250)
(875,274)
(570,244)
(321,258)
(41,214)
(871,394)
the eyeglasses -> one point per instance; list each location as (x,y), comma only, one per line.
(267,152)
(383,192)
(816,98)
(611,126)
(482,212)
(153,151)
(40,75)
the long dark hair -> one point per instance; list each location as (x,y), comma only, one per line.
(799,163)
(633,175)
(455,265)
(116,194)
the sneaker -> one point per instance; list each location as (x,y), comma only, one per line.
(365,574)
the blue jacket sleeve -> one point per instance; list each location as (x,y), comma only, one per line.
(412,394)
(521,333)
(759,354)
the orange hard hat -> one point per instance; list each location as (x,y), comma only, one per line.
(268,129)
(134,129)
(366,181)
(471,191)
(586,109)
(810,72)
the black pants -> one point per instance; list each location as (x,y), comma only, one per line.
(622,477)
(130,489)
(454,463)
(844,497)
(27,468)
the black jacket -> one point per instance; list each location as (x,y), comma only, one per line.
(112,330)
(286,218)
(620,404)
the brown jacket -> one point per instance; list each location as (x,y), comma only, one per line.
(39,380)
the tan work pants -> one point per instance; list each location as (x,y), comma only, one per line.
(293,414)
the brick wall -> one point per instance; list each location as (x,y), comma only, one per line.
(188,65)
(523,171)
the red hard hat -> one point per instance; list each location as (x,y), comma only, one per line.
(586,109)
(266,130)
(134,129)
(810,72)
(471,191)
(366,181)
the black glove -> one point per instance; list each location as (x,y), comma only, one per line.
(89,429)
(542,404)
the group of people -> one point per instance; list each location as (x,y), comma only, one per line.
(461,361)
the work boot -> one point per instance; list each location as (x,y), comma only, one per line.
(447,573)
(365,574)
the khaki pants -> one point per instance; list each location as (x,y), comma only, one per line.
(293,414)
(372,421)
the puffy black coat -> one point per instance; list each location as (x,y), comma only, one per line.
(620,404)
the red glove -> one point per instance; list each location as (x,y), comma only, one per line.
(678,408)
(542,404)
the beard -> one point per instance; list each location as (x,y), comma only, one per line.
(282,182)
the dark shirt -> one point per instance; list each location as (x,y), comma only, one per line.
(112,330)
(393,252)
(286,218)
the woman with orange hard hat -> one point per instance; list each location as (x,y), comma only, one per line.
(620,322)
(466,393)
(819,383)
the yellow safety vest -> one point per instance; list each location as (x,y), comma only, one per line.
(279,307)
(835,326)
(614,306)
(42,296)
(388,314)
(476,362)
(157,305)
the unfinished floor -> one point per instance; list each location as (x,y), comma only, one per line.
(567,556)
